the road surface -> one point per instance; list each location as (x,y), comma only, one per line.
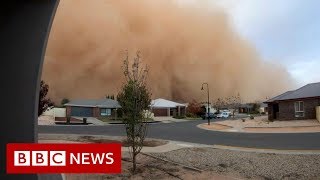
(188,132)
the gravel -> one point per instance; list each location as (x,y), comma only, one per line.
(247,165)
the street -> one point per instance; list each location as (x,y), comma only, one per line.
(188,132)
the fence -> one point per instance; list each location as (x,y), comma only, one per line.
(55,112)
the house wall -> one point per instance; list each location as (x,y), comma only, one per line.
(287,111)
(270,112)
(160,112)
(96,112)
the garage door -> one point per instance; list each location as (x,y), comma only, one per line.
(82,111)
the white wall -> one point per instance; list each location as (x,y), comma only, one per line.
(55,112)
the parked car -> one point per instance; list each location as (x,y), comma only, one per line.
(211,116)
(223,115)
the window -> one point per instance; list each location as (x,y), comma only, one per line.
(299,109)
(105,112)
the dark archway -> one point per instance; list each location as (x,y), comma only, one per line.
(24,30)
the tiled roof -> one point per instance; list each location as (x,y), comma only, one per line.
(309,90)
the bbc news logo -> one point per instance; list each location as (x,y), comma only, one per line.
(63,158)
(39,158)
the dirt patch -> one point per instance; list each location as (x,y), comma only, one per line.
(149,168)
(282,129)
(215,126)
(123,142)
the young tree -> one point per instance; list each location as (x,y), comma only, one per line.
(219,103)
(234,103)
(134,98)
(44,103)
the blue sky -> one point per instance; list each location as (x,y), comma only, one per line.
(283,31)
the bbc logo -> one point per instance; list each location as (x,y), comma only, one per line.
(39,158)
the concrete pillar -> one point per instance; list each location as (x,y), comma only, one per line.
(168,111)
(179,111)
(318,113)
(24,33)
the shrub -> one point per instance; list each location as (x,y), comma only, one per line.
(191,115)
(179,117)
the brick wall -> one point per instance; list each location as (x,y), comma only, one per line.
(160,112)
(96,112)
(270,112)
(287,112)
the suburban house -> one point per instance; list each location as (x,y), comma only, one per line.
(263,108)
(246,108)
(92,108)
(211,108)
(296,104)
(163,107)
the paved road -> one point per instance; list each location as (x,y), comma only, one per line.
(188,132)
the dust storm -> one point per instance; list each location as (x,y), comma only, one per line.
(183,45)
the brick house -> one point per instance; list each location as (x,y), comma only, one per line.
(92,108)
(163,107)
(296,104)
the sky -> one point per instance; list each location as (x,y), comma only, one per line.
(283,31)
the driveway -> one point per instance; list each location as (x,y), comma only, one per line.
(92,120)
(188,132)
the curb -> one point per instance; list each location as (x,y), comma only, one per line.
(217,146)
(283,127)
(232,130)
(266,150)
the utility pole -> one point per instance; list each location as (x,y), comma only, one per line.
(208,107)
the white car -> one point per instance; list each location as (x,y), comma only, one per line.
(223,115)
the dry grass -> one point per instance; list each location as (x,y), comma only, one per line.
(215,126)
(123,142)
(149,168)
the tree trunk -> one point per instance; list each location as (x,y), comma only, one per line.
(134,164)
(233,113)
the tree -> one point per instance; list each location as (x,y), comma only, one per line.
(64,101)
(195,109)
(44,103)
(134,98)
(219,103)
(110,97)
(234,102)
